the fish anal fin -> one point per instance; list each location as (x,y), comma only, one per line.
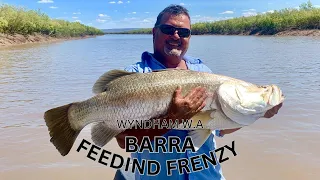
(199,137)
(202,117)
(101,134)
(221,121)
(101,84)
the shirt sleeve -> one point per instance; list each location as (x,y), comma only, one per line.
(218,133)
(131,68)
(206,68)
(203,67)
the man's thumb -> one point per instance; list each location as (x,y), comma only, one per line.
(177,92)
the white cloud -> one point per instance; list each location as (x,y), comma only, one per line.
(225,18)
(101,20)
(45,1)
(182,4)
(130,19)
(115,10)
(119,2)
(227,12)
(249,13)
(128,1)
(270,11)
(146,21)
(103,15)
(317,6)
(53,7)
(128,23)
(147,12)
(74,17)
(134,12)
(249,10)
(61,17)
(199,18)
(77,13)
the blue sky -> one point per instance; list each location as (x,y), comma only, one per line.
(107,14)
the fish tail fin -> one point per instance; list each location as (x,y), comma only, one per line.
(62,134)
(101,134)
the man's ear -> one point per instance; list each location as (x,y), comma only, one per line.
(153,33)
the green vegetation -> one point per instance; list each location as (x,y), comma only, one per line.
(27,22)
(307,17)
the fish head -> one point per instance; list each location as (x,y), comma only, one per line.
(245,103)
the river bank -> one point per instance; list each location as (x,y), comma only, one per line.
(18,39)
(312,32)
(7,40)
(306,32)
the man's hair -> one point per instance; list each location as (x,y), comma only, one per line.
(172,10)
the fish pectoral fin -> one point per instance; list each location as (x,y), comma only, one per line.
(101,134)
(101,84)
(199,137)
(221,121)
(202,118)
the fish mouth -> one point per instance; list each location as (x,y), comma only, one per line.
(276,96)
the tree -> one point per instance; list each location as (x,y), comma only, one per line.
(306,6)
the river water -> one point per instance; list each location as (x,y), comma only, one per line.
(35,78)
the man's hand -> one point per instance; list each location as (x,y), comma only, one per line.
(184,108)
(272,111)
(180,108)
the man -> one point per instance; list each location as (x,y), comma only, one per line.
(171,36)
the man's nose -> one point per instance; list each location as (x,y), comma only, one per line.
(176,35)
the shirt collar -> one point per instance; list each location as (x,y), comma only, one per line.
(147,56)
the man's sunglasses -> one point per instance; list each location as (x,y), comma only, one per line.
(170,30)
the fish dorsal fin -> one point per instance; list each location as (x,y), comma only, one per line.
(101,83)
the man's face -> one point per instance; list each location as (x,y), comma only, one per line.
(172,46)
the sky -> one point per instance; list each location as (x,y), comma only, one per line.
(111,14)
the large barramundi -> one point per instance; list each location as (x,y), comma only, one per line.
(122,95)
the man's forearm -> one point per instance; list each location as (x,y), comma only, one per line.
(228,131)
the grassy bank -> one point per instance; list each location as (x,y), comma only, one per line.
(306,17)
(17,20)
